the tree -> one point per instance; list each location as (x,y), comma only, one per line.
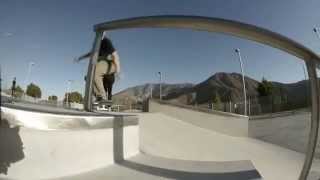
(18,92)
(53,98)
(73,97)
(34,91)
(265,88)
(216,101)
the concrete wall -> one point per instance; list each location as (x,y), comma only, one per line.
(53,154)
(234,125)
(287,129)
(35,153)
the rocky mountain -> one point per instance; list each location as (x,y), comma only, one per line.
(139,92)
(228,86)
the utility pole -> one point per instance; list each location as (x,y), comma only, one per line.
(243,80)
(160,85)
(0,95)
(68,93)
(305,78)
(30,65)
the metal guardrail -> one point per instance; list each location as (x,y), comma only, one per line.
(230,27)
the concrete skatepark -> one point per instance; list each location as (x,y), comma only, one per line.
(154,145)
(166,143)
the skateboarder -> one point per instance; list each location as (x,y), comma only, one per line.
(13,87)
(107,67)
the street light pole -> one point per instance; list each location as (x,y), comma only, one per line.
(28,75)
(0,95)
(243,81)
(160,85)
(305,78)
(68,89)
(317,31)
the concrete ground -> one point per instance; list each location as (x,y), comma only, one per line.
(174,149)
(290,131)
(171,138)
(176,141)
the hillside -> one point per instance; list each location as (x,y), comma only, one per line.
(228,86)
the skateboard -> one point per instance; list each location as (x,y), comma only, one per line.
(103,106)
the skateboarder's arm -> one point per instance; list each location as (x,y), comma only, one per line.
(85,56)
(116,61)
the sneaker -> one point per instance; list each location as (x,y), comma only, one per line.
(97,100)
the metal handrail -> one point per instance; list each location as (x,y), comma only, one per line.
(234,28)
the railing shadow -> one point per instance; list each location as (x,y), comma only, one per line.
(11,146)
(186,175)
(118,151)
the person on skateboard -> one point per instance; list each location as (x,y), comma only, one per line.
(107,67)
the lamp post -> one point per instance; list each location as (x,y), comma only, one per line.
(151,91)
(30,65)
(0,94)
(243,80)
(68,89)
(306,80)
(160,84)
(317,31)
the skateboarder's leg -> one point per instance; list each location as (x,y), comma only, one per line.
(110,86)
(101,69)
(108,83)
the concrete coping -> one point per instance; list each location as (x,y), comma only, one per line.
(61,111)
(62,119)
(198,109)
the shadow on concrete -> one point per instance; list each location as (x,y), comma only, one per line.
(176,174)
(118,151)
(11,146)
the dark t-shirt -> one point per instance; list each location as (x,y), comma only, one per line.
(106,48)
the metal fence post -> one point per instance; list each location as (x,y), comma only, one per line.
(313,135)
(91,71)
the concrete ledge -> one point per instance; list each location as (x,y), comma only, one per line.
(32,107)
(38,145)
(53,154)
(64,119)
(226,123)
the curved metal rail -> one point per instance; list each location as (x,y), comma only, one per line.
(229,27)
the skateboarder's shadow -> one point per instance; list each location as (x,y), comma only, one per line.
(11,146)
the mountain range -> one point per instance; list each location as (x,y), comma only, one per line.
(228,86)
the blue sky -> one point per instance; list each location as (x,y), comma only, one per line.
(52,33)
